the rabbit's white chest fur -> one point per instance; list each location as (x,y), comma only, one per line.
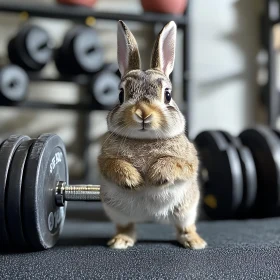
(148,204)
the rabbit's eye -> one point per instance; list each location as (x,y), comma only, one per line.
(167,93)
(121,95)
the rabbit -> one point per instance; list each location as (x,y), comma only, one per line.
(148,165)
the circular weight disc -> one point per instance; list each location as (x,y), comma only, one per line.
(248,171)
(7,151)
(104,88)
(13,194)
(265,148)
(17,49)
(87,51)
(13,83)
(38,46)
(46,164)
(221,175)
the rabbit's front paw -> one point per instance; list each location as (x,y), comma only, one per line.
(121,173)
(129,177)
(168,169)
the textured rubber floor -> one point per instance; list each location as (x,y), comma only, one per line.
(237,250)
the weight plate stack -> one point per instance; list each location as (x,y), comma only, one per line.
(46,164)
(221,175)
(7,150)
(248,174)
(13,84)
(265,148)
(31,48)
(14,194)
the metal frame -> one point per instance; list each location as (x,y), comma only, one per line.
(272,97)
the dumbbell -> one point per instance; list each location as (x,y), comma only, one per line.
(31,48)
(34,190)
(13,84)
(104,86)
(240,176)
(80,52)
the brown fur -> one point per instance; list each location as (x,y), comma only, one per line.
(169,169)
(161,157)
(147,157)
(120,172)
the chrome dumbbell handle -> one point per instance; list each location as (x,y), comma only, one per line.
(66,192)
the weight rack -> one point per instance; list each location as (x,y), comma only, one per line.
(80,15)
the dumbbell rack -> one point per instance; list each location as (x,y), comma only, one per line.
(80,15)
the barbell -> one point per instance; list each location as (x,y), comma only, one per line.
(34,190)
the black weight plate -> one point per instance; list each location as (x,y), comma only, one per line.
(104,88)
(13,194)
(79,54)
(265,148)
(38,45)
(13,84)
(17,51)
(248,171)
(63,63)
(7,151)
(31,48)
(87,51)
(221,175)
(46,164)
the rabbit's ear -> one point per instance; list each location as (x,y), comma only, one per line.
(163,54)
(128,54)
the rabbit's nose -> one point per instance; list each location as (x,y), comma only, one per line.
(142,116)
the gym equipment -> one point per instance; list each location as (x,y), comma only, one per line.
(221,175)
(13,84)
(7,150)
(104,88)
(249,175)
(265,148)
(34,190)
(240,176)
(31,48)
(80,52)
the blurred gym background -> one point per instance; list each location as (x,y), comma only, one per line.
(222,52)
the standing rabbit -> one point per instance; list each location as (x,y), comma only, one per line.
(148,164)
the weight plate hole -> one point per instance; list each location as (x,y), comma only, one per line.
(90,50)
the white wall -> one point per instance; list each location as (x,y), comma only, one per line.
(224,44)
